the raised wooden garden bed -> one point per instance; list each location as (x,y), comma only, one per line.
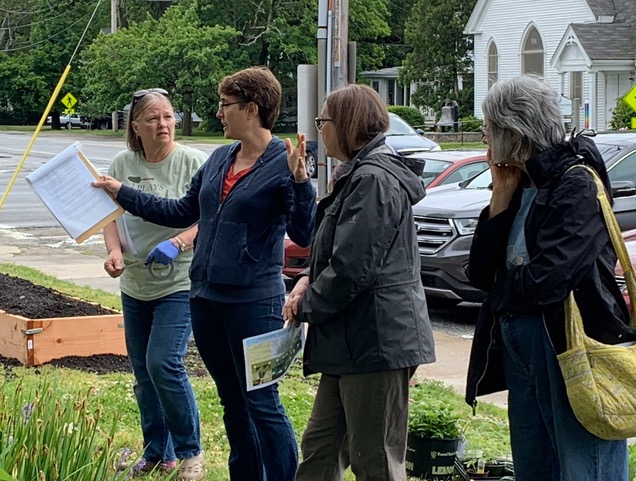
(28,335)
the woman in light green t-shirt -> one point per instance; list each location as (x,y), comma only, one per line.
(152,262)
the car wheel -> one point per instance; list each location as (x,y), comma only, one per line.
(68,125)
(310,165)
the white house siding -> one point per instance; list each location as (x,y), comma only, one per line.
(506,22)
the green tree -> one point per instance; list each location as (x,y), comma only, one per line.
(395,47)
(174,52)
(368,27)
(440,51)
(37,41)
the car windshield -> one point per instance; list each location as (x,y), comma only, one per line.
(397,126)
(433,169)
(481,181)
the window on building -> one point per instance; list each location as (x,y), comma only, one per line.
(375,85)
(576,85)
(532,53)
(391,93)
(493,64)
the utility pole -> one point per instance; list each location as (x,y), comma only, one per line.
(113,29)
(333,67)
(340,34)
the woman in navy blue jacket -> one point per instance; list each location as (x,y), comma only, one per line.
(244,198)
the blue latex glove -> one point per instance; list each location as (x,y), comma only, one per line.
(163,253)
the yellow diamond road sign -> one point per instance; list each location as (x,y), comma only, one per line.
(630,98)
(69,101)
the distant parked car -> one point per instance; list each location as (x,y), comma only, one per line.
(451,166)
(401,137)
(69,121)
(446,219)
(440,168)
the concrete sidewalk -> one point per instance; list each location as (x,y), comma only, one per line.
(51,251)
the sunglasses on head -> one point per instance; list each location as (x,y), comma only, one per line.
(142,93)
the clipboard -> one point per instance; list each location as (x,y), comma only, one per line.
(64,186)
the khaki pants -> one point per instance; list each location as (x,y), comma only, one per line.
(359,420)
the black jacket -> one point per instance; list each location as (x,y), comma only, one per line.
(365,305)
(569,250)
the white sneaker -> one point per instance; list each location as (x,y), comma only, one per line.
(192,469)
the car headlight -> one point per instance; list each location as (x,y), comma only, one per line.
(466,226)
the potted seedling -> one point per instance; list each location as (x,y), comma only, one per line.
(434,439)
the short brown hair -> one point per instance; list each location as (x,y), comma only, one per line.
(137,106)
(358,115)
(258,85)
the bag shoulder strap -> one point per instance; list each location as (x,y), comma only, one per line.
(617,238)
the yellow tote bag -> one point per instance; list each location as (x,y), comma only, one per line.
(601,378)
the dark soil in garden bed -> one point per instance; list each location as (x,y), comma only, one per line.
(21,297)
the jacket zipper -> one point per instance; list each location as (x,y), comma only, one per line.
(474,402)
(222,203)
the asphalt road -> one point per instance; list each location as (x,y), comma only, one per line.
(22,207)
(26,221)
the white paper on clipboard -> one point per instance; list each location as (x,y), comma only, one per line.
(64,185)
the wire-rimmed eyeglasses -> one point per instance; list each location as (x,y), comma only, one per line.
(223,105)
(320,123)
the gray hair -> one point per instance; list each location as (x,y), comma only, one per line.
(523,119)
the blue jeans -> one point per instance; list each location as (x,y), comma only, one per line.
(157,335)
(262,441)
(548,442)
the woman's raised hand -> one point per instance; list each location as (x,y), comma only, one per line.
(296,158)
(109,184)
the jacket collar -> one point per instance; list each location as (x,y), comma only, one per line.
(547,167)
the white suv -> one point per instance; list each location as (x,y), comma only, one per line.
(73,120)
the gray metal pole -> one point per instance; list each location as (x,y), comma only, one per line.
(113,29)
(323,71)
(352,55)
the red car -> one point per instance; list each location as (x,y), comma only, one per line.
(443,167)
(630,242)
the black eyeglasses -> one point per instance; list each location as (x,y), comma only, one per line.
(222,104)
(320,123)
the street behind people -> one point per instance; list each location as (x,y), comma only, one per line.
(245,197)
(542,236)
(363,300)
(155,304)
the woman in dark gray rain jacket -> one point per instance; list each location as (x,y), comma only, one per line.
(363,300)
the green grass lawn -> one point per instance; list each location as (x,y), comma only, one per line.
(113,392)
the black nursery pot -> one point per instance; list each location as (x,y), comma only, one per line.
(431,459)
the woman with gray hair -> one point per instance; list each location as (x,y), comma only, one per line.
(542,236)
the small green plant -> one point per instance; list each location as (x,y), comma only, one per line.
(471,124)
(432,417)
(622,116)
(410,114)
(46,437)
